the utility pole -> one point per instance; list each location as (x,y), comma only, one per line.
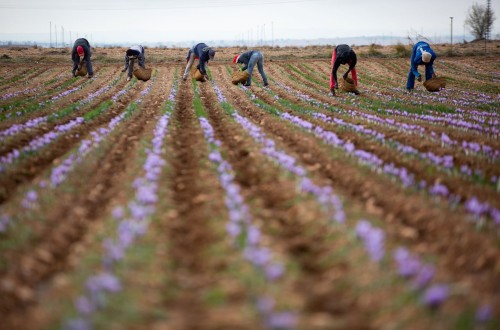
(451,35)
(464,32)
(55,30)
(264,34)
(62,35)
(487,32)
(272,34)
(50,34)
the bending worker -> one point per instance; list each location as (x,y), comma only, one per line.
(342,54)
(132,54)
(421,54)
(80,54)
(249,59)
(202,52)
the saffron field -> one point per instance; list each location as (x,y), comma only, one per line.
(172,204)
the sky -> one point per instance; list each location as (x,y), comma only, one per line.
(143,21)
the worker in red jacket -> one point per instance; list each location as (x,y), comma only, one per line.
(342,54)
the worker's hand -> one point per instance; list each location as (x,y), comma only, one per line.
(419,78)
(332,92)
(434,75)
(124,70)
(206,77)
(345,76)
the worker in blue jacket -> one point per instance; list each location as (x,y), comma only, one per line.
(134,53)
(202,52)
(422,54)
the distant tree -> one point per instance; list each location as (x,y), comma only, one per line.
(480,20)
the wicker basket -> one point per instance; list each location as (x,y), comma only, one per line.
(142,74)
(197,75)
(348,85)
(435,84)
(82,71)
(239,77)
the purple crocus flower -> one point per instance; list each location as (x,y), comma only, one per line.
(408,265)
(4,222)
(78,324)
(424,277)
(84,305)
(373,239)
(484,313)
(435,295)
(282,320)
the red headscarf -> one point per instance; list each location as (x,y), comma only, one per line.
(80,51)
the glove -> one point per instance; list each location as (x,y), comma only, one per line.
(345,76)
(434,75)
(419,78)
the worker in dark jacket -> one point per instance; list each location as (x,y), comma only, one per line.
(249,59)
(342,54)
(202,52)
(421,54)
(80,54)
(132,54)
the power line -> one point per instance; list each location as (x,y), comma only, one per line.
(99,7)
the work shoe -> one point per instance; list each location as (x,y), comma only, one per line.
(128,78)
(265,85)
(409,90)
(91,76)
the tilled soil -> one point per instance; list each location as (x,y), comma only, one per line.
(205,281)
